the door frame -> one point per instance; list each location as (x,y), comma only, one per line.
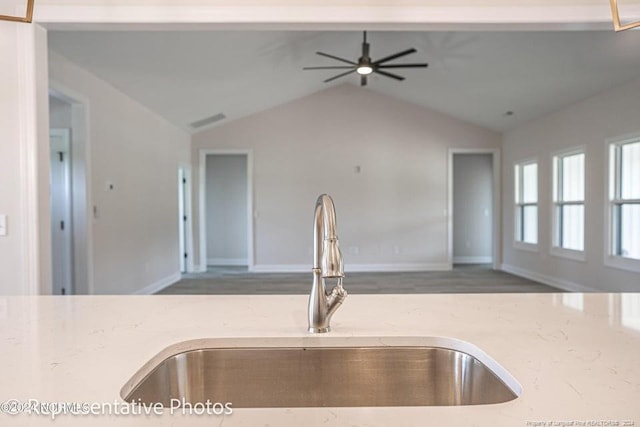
(202,192)
(81,214)
(496,232)
(64,148)
(184,171)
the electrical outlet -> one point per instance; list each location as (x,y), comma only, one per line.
(354,250)
(396,250)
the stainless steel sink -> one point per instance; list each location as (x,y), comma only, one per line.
(264,377)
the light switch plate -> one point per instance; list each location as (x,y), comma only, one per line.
(3,225)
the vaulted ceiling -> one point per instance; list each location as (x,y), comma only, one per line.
(186,76)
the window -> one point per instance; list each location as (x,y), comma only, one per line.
(568,202)
(624,199)
(526,183)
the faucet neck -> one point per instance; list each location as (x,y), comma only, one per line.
(324,227)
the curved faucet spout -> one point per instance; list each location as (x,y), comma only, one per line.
(327,263)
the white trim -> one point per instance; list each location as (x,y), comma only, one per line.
(559,17)
(227,261)
(611,260)
(622,263)
(520,244)
(185,170)
(281,268)
(555,282)
(63,146)
(472,259)
(29,151)
(159,285)
(525,246)
(202,192)
(366,268)
(80,129)
(497,201)
(568,253)
(554,249)
(352,268)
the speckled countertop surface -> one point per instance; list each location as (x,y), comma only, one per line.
(576,356)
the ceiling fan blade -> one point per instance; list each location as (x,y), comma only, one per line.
(329,68)
(340,75)
(395,55)
(336,58)
(424,65)
(393,76)
(363,80)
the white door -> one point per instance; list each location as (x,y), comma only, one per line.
(182,219)
(61,211)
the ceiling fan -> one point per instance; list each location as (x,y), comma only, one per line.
(365,66)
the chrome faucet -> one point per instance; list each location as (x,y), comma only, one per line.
(327,263)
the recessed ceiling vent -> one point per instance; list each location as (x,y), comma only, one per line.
(207,121)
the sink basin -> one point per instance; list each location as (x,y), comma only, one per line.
(333,376)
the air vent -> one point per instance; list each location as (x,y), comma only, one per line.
(207,121)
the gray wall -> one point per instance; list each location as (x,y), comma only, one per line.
(472,208)
(383,161)
(59,114)
(227,210)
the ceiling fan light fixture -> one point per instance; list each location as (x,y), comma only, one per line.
(364,70)
(365,66)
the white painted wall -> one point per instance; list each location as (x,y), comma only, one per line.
(472,208)
(391,214)
(25,266)
(436,14)
(589,123)
(135,236)
(12,279)
(227,209)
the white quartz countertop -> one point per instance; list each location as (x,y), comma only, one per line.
(577,357)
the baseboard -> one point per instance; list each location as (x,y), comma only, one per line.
(472,260)
(159,285)
(227,261)
(372,268)
(351,268)
(281,268)
(555,282)
(198,269)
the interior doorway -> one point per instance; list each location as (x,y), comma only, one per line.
(71,231)
(226,206)
(184,219)
(474,206)
(61,226)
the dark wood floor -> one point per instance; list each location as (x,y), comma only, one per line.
(462,279)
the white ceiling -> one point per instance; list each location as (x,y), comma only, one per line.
(186,76)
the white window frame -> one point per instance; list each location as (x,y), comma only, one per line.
(556,249)
(518,182)
(612,154)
